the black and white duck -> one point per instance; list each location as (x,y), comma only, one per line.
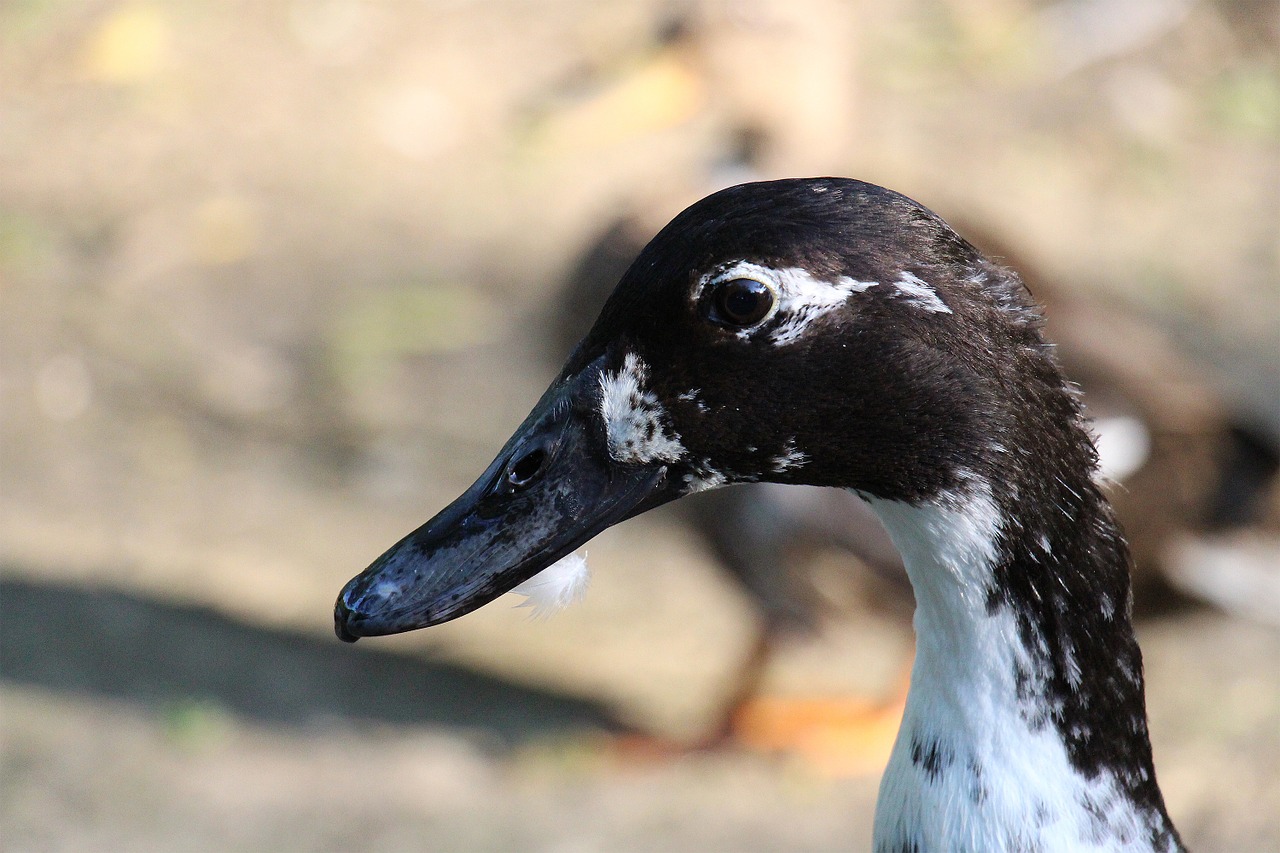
(830,332)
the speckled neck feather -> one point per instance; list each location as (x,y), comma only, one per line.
(1025,727)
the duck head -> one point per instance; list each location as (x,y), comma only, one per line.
(814,331)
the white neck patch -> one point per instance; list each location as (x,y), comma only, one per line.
(968,772)
(633,417)
(801,298)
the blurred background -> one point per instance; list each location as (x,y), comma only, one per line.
(278,278)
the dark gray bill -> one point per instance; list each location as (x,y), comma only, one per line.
(551,489)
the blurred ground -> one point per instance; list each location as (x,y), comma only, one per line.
(272,279)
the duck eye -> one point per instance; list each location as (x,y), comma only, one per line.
(739,302)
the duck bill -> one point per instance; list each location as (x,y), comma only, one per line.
(551,489)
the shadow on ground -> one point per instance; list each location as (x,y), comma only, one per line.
(106,643)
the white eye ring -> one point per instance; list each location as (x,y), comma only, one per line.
(740,297)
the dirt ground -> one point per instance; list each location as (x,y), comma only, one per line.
(274,286)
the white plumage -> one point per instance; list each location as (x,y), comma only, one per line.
(556,587)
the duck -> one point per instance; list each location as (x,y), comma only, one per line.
(830,332)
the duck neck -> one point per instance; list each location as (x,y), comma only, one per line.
(1025,726)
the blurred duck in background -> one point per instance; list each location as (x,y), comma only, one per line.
(1181,464)
(1188,470)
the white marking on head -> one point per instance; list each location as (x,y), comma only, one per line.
(801,298)
(555,587)
(703,478)
(791,457)
(691,396)
(633,418)
(919,294)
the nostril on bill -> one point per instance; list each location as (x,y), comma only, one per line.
(525,469)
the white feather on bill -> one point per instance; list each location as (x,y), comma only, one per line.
(555,587)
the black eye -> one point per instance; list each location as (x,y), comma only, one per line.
(739,302)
